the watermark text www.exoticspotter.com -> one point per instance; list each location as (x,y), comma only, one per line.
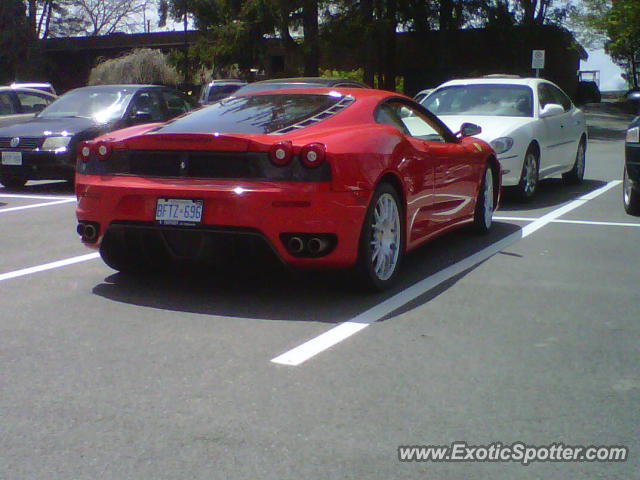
(515,452)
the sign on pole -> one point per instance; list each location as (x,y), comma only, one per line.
(537,61)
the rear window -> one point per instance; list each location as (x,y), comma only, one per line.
(254,114)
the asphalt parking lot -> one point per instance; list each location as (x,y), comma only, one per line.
(530,334)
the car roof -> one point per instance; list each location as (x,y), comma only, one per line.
(114,88)
(329,81)
(26,90)
(358,93)
(495,80)
(229,81)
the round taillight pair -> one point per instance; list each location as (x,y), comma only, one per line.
(102,150)
(311,155)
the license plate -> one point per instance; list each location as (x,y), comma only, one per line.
(11,158)
(178,211)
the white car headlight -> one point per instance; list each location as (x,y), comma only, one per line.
(633,135)
(502,144)
(54,143)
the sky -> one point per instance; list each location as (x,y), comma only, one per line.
(610,79)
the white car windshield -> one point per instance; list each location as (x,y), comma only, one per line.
(491,100)
(101,106)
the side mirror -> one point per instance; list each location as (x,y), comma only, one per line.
(551,110)
(468,130)
(38,107)
(141,117)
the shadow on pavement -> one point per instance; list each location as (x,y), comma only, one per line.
(551,192)
(607,121)
(276,294)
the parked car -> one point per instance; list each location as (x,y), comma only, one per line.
(44,87)
(218,89)
(20,104)
(301,82)
(324,177)
(631,175)
(422,94)
(44,146)
(632,102)
(533,126)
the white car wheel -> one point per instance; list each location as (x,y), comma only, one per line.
(576,174)
(485,203)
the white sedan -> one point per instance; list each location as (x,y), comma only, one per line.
(532,125)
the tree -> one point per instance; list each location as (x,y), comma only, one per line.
(14,37)
(618,22)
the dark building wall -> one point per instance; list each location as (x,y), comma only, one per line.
(426,62)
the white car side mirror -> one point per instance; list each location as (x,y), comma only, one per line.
(551,110)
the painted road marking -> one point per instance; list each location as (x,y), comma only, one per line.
(48,266)
(344,330)
(577,222)
(37,205)
(38,197)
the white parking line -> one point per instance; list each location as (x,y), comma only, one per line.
(578,222)
(36,205)
(344,330)
(48,266)
(37,197)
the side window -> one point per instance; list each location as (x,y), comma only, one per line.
(33,103)
(6,104)
(176,105)
(148,103)
(386,114)
(412,122)
(560,98)
(545,95)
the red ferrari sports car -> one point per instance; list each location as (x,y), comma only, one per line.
(325,178)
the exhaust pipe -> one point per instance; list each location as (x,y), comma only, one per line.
(317,245)
(295,245)
(90,233)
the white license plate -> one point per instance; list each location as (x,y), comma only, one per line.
(11,158)
(178,211)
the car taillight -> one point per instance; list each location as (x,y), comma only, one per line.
(103,150)
(84,151)
(313,154)
(281,153)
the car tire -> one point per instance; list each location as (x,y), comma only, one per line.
(575,176)
(382,234)
(13,181)
(528,185)
(485,203)
(630,195)
(115,252)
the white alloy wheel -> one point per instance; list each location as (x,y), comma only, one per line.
(385,237)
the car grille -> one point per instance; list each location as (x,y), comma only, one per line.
(195,165)
(204,164)
(26,143)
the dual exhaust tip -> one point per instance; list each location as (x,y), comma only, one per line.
(309,245)
(88,231)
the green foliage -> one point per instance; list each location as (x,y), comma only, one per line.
(616,23)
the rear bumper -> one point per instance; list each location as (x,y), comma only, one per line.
(42,165)
(264,209)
